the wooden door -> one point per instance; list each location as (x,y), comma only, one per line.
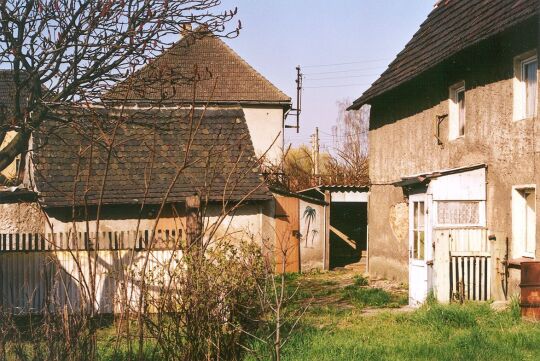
(287,234)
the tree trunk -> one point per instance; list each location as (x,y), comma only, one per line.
(18,145)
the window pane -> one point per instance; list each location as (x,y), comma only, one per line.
(420,215)
(530,221)
(421,244)
(455,212)
(415,245)
(531,86)
(415,220)
(461,107)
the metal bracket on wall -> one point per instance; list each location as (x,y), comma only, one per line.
(438,120)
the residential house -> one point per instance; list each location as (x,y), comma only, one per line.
(195,120)
(113,181)
(453,153)
(200,69)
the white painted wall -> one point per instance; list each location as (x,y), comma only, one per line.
(312,242)
(251,221)
(470,185)
(266,129)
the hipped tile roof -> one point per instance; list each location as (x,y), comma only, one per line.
(70,157)
(451,27)
(203,61)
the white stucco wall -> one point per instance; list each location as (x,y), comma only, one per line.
(266,129)
(313,235)
(251,221)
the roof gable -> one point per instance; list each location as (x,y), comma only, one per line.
(219,73)
(451,27)
(70,157)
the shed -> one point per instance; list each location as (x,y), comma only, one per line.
(348,229)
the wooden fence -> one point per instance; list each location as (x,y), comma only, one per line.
(55,270)
(107,240)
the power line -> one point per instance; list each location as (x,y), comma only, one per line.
(334,86)
(349,63)
(342,77)
(345,71)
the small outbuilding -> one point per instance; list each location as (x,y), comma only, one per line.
(323,227)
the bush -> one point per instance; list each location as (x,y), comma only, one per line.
(208,305)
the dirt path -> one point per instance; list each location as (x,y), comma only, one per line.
(325,289)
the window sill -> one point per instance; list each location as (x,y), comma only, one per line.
(461,137)
(524,119)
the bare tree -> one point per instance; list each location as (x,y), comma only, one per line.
(349,161)
(75,50)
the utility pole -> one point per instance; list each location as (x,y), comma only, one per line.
(298,108)
(315,152)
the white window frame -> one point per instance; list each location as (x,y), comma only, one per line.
(520,88)
(519,246)
(453,111)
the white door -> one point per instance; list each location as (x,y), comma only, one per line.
(419,248)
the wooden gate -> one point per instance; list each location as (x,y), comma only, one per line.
(287,249)
(462,264)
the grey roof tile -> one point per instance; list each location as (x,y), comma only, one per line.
(451,27)
(70,157)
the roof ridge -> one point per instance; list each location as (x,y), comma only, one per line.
(202,48)
(234,53)
(449,28)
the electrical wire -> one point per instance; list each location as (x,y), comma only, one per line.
(334,86)
(344,71)
(341,77)
(349,63)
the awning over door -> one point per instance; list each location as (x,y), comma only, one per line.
(456,183)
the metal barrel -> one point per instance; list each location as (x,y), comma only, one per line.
(530,290)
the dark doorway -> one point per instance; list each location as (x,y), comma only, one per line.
(349,219)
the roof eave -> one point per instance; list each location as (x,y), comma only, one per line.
(285,104)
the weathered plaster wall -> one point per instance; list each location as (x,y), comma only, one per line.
(402,143)
(21,218)
(266,129)
(250,221)
(388,218)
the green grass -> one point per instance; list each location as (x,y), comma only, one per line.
(359,281)
(373,297)
(340,330)
(338,327)
(435,332)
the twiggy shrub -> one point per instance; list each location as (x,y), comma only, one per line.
(205,306)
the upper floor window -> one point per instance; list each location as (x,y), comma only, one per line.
(457,111)
(525,85)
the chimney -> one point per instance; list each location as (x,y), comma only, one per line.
(186,29)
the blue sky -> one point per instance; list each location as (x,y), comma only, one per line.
(278,35)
